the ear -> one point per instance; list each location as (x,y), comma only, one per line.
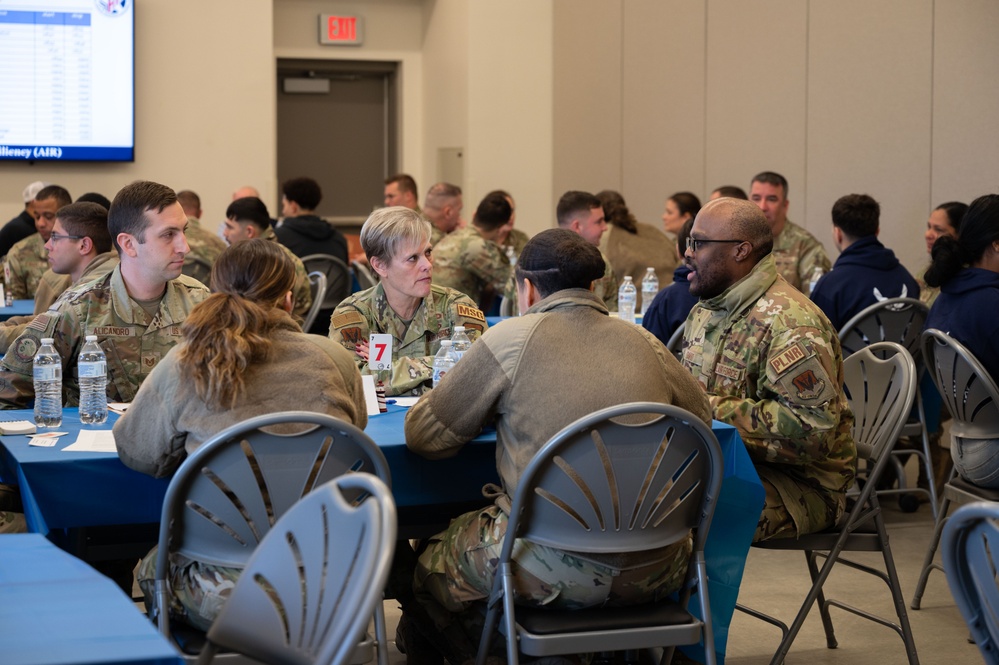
(743,251)
(289,303)
(252,231)
(128,243)
(378,266)
(86,245)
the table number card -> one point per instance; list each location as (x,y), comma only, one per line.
(380,352)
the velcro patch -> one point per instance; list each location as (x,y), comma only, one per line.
(808,385)
(113,331)
(471,313)
(346,319)
(26,348)
(788,358)
(40,322)
(351,335)
(729,372)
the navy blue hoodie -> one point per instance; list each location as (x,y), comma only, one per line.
(670,307)
(966,309)
(865,273)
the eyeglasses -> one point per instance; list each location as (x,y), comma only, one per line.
(60,236)
(694,243)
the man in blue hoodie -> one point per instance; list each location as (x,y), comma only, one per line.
(866,271)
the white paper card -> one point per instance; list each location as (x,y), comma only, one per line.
(94,441)
(406,401)
(370,396)
(380,352)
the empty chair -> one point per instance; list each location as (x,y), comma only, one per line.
(972,398)
(366,278)
(880,383)
(337,277)
(315,579)
(317,281)
(970,554)
(599,486)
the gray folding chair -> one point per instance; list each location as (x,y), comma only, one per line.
(675,343)
(898,320)
(337,277)
(880,384)
(366,278)
(972,398)
(317,281)
(314,580)
(506,306)
(601,485)
(227,495)
(971,555)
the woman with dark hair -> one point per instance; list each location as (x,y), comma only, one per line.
(679,208)
(945,220)
(966,269)
(632,247)
(241,355)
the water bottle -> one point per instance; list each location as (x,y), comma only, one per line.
(47,373)
(511,256)
(443,361)
(814,279)
(626,296)
(93,373)
(650,287)
(459,343)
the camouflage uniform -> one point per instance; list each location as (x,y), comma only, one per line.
(928,294)
(436,235)
(797,254)
(415,342)
(467,262)
(205,249)
(50,289)
(772,367)
(11,517)
(515,240)
(606,286)
(132,341)
(27,260)
(301,292)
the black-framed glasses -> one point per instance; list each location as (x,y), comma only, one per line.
(60,236)
(694,243)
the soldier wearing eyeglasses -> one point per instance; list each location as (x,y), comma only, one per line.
(772,366)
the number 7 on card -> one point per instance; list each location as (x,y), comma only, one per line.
(380,352)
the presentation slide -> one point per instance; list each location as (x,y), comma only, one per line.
(67,84)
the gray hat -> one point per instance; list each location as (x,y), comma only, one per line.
(31,191)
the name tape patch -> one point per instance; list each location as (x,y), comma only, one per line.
(471,313)
(788,359)
(114,331)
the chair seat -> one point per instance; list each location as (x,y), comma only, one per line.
(863,539)
(960,490)
(540,621)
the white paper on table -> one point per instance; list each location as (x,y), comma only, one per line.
(406,401)
(118,407)
(370,396)
(94,441)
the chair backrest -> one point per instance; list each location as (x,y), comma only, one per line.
(365,277)
(310,588)
(337,277)
(628,478)
(968,391)
(675,343)
(317,281)
(228,494)
(880,385)
(898,320)
(506,306)
(970,557)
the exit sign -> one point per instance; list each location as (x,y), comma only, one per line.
(341,30)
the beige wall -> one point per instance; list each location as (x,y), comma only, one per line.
(204,108)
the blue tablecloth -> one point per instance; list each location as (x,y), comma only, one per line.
(19,308)
(57,610)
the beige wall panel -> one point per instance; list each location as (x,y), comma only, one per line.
(587,103)
(663,100)
(965,100)
(194,85)
(869,115)
(756,89)
(510,112)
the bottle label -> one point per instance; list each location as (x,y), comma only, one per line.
(47,372)
(93,369)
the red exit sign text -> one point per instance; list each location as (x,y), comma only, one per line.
(341,30)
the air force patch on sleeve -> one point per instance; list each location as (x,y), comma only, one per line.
(25,348)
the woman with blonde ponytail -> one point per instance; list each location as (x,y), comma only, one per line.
(242,355)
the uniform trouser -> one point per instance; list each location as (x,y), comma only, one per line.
(198,590)
(459,565)
(776,521)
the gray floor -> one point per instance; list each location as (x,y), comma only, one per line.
(776,583)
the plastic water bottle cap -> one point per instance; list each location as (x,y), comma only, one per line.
(48,340)
(91,338)
(459,328)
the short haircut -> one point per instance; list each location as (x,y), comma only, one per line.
(857,215)
(732,192)
(189,200)
(127,213)
(687,203)
(747,222)
(438,195)
(404,181)
(388,229)
(574,203)
(493,212)
(303,191)
(56,192)
(249,209)
(94,197)
(955,211)
(558,259)
(771,178)
(88,219)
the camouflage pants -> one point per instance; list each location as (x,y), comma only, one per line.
(197,590)
(11,517)
(776,521)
